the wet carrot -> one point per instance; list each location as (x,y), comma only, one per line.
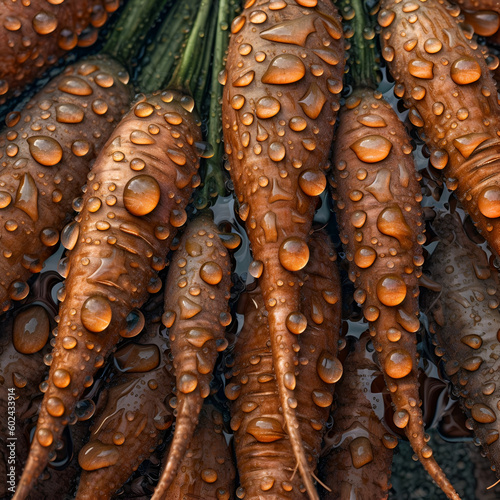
(380,223)
(133,204)
(135,412)
(264,451)
(34,34)
(207,470)
(196,314)
(465,323)
(357,454)
(443,78)
(282,83)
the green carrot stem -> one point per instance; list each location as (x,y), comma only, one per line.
(132,26)
(213,176)
(189,66)
(362,57)
(164,52)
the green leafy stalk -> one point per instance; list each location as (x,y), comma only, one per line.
(164,52)
(213,177)
(189,66)
(362,56)
(132,27)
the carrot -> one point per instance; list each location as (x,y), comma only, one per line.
(381,226)
(283,79)
(133,417)
(34,34)
(207,470)
(445,82)
(135,200)
(465,322)
(264,451)
(23,346)
(196,314)
(357,454)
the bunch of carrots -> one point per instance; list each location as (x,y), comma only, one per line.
(204,136)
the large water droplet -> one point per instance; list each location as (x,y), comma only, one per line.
(329,368)
(392,222)
(365,257)
(488,202)
(391,290)
(31,330)
(398,363)
(96,313)
(61,378)
(44,22)
(420,68)
(267,107)
(211,273)
(265,429)
(141,195)
(293,254)
(285,68)
(361,451)
(372,148)
(69,113)
(313,101)
(96,455)
(45,150)
(465,70)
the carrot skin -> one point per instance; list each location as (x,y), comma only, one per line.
(465,322)
(263,448)
(444,80)
(46,153)
(196,314)
(134,203)
(277,123)
(33,35)
(207,469)
(133,417)
(357,455)
(381,227)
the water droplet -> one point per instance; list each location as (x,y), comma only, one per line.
(398,363)
(75,86)
(408,321)
(312,182)
(294,31)
(483,414)
(420,68)
(44,437)
(45,150)
(256,268)
(211,273)
(96,314)
(361,451)
(143,109)
(96,455)
(258,17)
(293,254)
(372,148)
(392,222)
(134,324)
(380,188)
(313,101)
(27,196)
(237,24)
(365,257)
(31,330)
(276,151)
(267,107)
(232,391)
(69,235)
(296,322)
(329,368)
(245,79)
(391,290)
(140,137)
(373,121)
(44,22)
(284,69)
(69,113)
(358,218)
(265,429)
(61,378)
(187,383)
(188,308)
(465,70)
(141,195)
(488,202)
(432,46)
(55,407)
(297,124)
(401,419)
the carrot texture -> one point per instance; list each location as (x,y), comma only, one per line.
(264,452)
(465,320)
(134,202)
(380,224)
(207,469)
(34,34)
(196,314)
(46,152)
(357,454)
(443,78)
(135,412)
(282,83)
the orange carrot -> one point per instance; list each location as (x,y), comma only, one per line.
(196,314)
(444,80)
(282,83)
(133,417)
(34,34)
(357,454)
(264,451)
(465,321)
(207,470)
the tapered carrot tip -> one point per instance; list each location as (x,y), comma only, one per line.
(465,321)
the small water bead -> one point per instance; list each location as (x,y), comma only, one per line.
(398,363)
(12,150)
(293,254)
(96,455)
(5,199)
(31,330)
(211,273)
(410,44)
(284,69)
(465,70)
(365,257)
(385,18)
(45,150)
(45,437)
(329,368)
(61,378)
(55,407)
(99,106)
(372,121)
(391,290)
(75,86)
(439,159)
(144,109)
(245,79)
(372,148)
(401,419)
(267,107)
(296,323)
(141,195)
(44,22)
(69,342)
(140,137)
(358,218)
(489,202)
(276,151)
(96,314)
